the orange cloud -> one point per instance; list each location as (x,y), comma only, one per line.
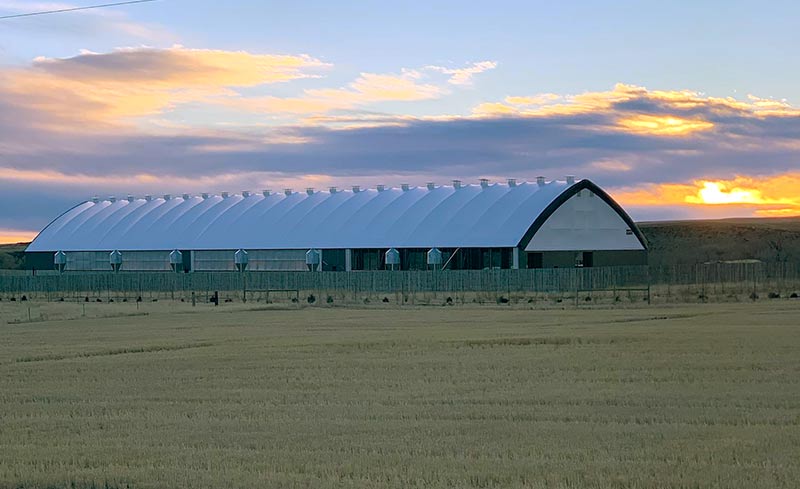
(663,125)
(148,182)
(374,87)
(102,89)
(650,112)
(368,88)
(777,195)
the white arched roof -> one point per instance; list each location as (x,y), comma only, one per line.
(475,216)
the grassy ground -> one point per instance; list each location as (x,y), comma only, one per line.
(691,396)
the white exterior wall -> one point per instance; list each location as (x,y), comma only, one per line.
(584,222)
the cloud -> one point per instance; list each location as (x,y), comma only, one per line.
(772,195)
(139,85)
(365,90)
(650,147)
(464,76)
(106,89)
(635,109)
(373,87)
(179,67)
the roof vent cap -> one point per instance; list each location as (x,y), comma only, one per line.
(405,187)
(204,195)
(186,196)
(332,190)
(95,199)
(225,195)
(356,189)
(310,190)
(456,183)
(245,193)
(130,198)
(112,199)
(540,181)
(266,193)
(381,188)
(570,179)
(430,185)
(148,198)
(484,182)
(167,196)
(287,191)
(512,182)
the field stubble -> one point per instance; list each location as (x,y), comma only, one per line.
(165,395)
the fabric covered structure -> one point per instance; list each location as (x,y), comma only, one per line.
(499,216)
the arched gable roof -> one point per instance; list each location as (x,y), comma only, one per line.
(474,216)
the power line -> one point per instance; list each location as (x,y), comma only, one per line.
(30,14)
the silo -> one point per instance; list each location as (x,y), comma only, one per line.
(176,260)
(392,258)
(240,259)
(60,261)
(434,258)
(115,259)
(313,260)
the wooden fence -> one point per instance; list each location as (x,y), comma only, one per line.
(738,277)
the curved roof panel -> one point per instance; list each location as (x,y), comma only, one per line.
(496,215)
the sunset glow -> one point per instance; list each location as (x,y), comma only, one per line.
(11,236)
(718,193)
(664,125)
(761,196)
(147,100)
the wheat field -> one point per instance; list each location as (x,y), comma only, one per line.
(169,396)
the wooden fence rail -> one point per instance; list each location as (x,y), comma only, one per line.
(746,275)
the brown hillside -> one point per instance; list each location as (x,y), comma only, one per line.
(681,242)
(12,255)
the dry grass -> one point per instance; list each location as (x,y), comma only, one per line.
(688,242)
(674,397)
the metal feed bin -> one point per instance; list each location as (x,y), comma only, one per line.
(434,258)
(240,259)
(115,259)
(176,260)
(60,261)
(313,259)
(392,258)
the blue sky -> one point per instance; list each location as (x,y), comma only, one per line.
(654,100)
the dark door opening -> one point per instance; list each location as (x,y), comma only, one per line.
(588,258)
(186,255)
(535,260)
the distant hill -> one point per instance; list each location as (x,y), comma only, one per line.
(687,242)
(12,256)
(671,242)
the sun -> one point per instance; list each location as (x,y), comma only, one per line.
(718,193)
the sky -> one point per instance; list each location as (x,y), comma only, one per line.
(681,110)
